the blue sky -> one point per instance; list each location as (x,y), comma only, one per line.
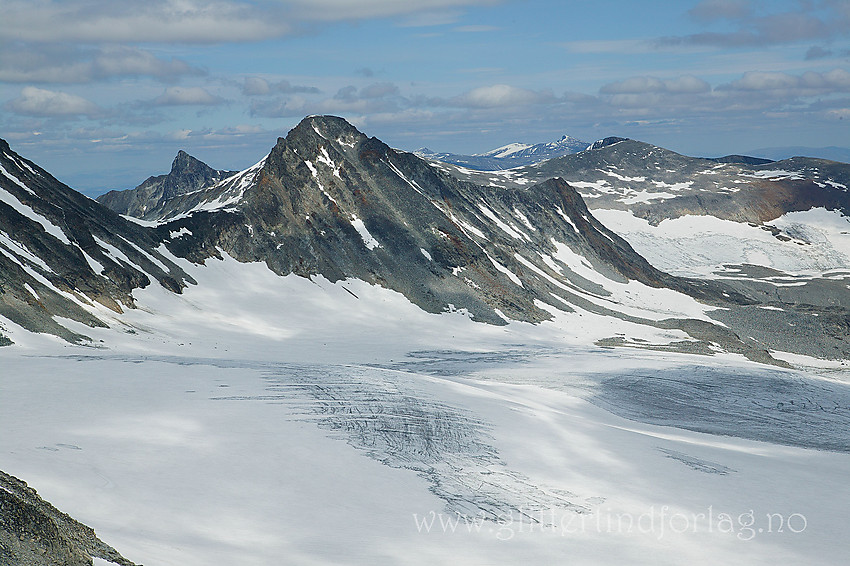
(104,93)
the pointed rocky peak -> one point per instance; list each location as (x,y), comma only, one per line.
(186,165)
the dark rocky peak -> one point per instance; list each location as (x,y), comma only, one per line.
(185,164)
(188,174)
(605,142)
(150,199)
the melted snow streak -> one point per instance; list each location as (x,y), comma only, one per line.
(385,414)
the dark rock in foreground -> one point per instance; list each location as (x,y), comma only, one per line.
(34,533)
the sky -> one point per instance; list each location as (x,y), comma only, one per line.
(103,93)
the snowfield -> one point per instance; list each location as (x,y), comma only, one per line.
(264,420)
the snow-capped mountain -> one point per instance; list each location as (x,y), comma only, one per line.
(509,156)
(517,246)
(353,348)
(330,201)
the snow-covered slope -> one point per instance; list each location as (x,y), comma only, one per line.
(225,433)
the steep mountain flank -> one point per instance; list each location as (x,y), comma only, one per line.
(61,252)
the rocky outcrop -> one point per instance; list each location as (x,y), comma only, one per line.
(34,533)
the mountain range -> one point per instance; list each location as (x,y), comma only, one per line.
(504,246)
(620,244)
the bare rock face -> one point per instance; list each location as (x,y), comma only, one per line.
(34,533)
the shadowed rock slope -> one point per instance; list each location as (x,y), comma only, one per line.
(64,255)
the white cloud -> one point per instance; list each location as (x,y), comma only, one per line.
(192,21)
(808,84)
(47,103)
(185,21)
(501,95)
(39,63)
(754,24)
(258,86)
(186,96)
(687,84)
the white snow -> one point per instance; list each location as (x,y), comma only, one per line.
(504,227)
(426,254)
(259,420)
(631,196)
(773,174)
(701,245)
(18,248)
(183,231)
(368,240)
(16,181)
(510,274)
(619,177)
(506,150)
(7,198)
(633,298)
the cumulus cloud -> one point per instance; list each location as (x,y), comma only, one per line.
(687,84)
(500,95)
(47,103)
(186,96)
(257,86)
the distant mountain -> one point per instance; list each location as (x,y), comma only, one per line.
(509,156)
(147,201)
(832,153)
(743,159)
(658,184)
